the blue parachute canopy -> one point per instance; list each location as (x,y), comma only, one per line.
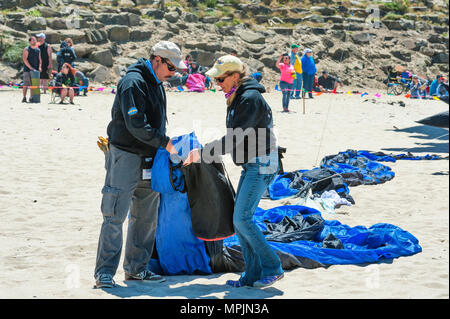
(361,244)
(179,251)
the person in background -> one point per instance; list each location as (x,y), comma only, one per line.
(188,61)
(32,61)
(246,110)
(316,87)
(65,82)
(296,62)
(286,79)
(442,89)
(70,44)
(309,71)
(66,54)
(328,83)
(434,85)
(46,58)
(417,88)
(80,80)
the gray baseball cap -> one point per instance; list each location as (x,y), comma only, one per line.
(171,51)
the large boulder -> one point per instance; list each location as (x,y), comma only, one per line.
(361,38)
(426,51)
(190,17)
(47,12)
(440,58)
(7,74)
(340,54)
(113,18)
(57,23)
(403,55)
(283,31)
(326,11)
(118,33)
(153,13)
(172,16)
(26,4)
(103,57)
(100,74)
(140,35)
(252,37)
(77,36)
(84,50)
(204,57)
(96,36)
(33,24)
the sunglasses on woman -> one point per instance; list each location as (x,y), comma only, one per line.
(220,80)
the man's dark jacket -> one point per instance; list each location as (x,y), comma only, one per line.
(139,114)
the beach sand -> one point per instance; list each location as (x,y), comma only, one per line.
(52,173)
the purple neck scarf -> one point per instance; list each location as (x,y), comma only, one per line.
(233,89)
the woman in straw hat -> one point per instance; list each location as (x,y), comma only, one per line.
(252,144)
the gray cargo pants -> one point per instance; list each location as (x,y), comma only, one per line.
(125,191)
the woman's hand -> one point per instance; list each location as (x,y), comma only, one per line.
(193,157)
(170,148)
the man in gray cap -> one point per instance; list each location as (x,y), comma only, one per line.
(136,131)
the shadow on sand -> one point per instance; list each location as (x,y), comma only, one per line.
(191,291)
(424,132)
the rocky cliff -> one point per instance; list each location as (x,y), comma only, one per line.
(357,40)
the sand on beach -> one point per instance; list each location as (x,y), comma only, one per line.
(52,173)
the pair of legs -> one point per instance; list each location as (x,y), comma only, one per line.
(260,259)
(26,84)
(124,192)
(67,92)
(297,86)
(327,90)
(308,80)
(44,79)
(286,89)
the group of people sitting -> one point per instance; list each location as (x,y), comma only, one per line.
(194,77)
(419,88)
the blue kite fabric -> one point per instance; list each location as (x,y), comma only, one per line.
(360,245)
(179,250)
(356,168)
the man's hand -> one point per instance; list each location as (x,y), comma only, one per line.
(193,157)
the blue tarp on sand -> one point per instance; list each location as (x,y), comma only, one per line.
(362,245)
(362,163)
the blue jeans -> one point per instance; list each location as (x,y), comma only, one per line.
(259,257)
(286,88)
(308,80)
(86,84)
(297,86)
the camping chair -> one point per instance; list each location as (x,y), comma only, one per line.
(398,84)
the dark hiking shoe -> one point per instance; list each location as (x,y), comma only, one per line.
(24,100)
(104,281)
(145,276)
